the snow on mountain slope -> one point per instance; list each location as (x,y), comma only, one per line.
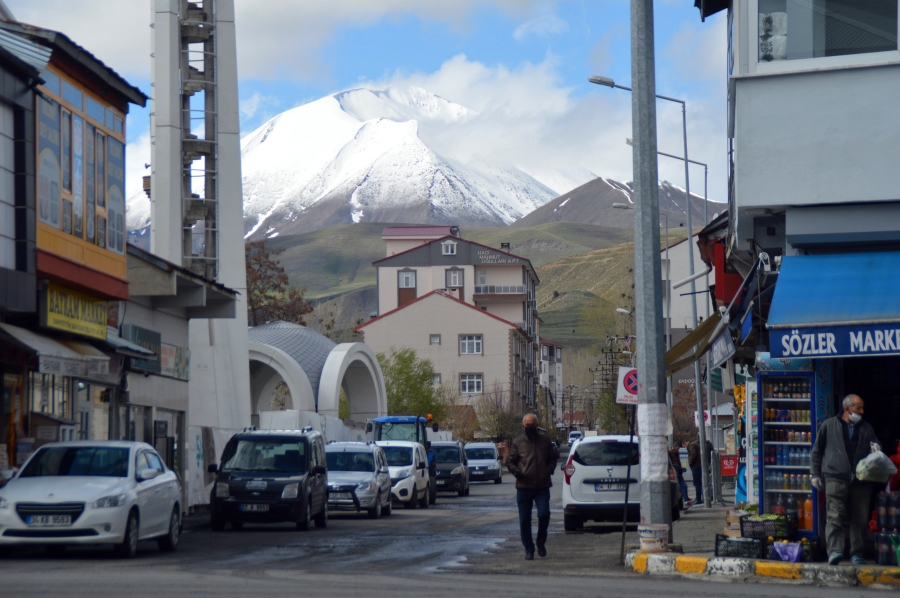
(357,156)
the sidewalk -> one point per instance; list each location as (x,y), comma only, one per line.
(696,533)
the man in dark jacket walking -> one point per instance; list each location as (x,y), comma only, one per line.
(531,460)
(841,443)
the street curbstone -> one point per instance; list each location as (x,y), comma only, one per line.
(888,577)
(830,575)
(729,567)
(779,569)
(629,560)
(640,563)
(661,563)
(691,564)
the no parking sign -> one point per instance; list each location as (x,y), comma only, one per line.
(627,391)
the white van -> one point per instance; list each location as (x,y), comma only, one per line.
(408,465)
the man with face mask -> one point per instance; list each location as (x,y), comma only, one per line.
(841,443)
(531,460)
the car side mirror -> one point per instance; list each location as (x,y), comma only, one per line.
(319,470)
(212,468)
(147,474)
(434,427)
(369,427)
(384,470)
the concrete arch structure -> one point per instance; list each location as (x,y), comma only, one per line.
(315,370)
(353,367)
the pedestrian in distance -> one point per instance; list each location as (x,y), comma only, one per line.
(841,443)
(532,460)
(696,465)
(675,458)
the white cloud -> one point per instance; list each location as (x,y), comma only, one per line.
(541,26)
(250,106)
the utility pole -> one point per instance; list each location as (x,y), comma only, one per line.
(655,497)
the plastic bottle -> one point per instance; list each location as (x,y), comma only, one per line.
(881,548)
(785,482)
(881,510)
(778,505)
(808,513)
(893,511)
(790,509)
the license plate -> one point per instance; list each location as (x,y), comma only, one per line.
(604,487)
(48,520)
(441,482)
(478,473)
(340,495)
(247,508)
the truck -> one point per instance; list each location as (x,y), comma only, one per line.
(413,428)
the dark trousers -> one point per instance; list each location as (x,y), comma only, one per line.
(682,485)
(846,514)
(697,474)
(541,499)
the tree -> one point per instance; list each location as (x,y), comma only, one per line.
(410,384)
(499,418)
(270,296)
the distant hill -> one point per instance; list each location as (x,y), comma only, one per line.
(592,203)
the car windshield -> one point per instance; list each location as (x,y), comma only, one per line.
(266,454)
(480,453)
(606,453)
(446,454)
(78,461)
(406,432)
(353,461)
(398,455)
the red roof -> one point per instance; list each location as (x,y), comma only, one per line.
(462,240)
(551,343)
(416,231)
(444,295)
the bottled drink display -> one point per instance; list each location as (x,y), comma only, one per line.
(887,512)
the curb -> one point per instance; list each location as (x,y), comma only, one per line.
(693,565)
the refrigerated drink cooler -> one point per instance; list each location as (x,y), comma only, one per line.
(787,431)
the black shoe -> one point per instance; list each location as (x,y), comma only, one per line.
(542,551)
(529,555)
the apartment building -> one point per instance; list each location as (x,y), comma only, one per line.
(552,375)
(467,307)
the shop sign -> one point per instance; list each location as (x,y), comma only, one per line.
(836,341)
(627,389)
(74,312)
(71,367)
(175,362)
(722,349)
(767,363)
(729,464)
(147,339)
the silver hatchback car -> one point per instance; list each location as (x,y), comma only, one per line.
(358,478)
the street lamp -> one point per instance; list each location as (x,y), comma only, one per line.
(608,82)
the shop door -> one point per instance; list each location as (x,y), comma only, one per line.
(82,410)
(877,381)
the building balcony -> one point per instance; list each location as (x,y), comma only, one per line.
(489,293)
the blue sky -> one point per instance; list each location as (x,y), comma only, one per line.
(530,58)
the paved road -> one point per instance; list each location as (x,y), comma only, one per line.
(461,546)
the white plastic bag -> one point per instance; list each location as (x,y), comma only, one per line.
(875,468)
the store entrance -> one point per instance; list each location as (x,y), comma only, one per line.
(877,381)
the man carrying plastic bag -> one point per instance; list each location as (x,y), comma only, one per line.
(841,443)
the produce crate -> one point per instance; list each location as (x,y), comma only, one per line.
(748,548)
(766,526)
(810,551)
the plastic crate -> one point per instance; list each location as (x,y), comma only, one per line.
(782,528)
(810,551)
(747,548)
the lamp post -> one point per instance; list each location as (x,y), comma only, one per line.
(645,150)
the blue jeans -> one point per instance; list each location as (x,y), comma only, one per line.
(541,499)
(682,484)
(697,474)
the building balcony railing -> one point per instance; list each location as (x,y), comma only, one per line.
(491,289)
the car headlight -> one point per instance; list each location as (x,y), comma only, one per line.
(365,486)
(4,504)
(109,501)
(222,490)
(403,473)
(456,471)
(291,491)
(493,467)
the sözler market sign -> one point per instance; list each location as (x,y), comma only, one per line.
(74,312)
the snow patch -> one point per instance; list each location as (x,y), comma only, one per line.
(563,203)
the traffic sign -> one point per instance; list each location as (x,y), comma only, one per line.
(706,419)
(627,391)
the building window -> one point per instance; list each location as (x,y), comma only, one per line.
(470,344)
(436,378)
(434,339)
(406,287)
(448,248)
(407,280)
(482,277)
(454,279)
(798,29)
(470,383)
(545,351)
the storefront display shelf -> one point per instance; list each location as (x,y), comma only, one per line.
(797,467)
(791,400)
(791,443)
(803,424)
(780,491)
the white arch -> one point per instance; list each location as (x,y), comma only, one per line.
(298,384)
(355,366)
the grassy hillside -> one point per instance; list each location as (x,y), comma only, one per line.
(339,260)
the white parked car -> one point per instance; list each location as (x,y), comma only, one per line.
(408,465)
(596,478)
(92,492)
(484,462)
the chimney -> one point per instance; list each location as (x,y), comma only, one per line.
(504,247)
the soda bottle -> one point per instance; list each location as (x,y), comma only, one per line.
(806,482)
(893,511)
(881,517)
(785,482)
(808,512)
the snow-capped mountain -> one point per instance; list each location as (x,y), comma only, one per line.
(360,156)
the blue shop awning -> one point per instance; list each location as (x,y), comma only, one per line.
(844,305)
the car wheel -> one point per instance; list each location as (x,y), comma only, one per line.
(411,503)
(468,489)
(499,479)
(303,524)
(388,508)
(432,487)
(426,500)
(322,518)
(216,524)
(461,492)
(169,542)
(375,512)
(237,525)
(572,523)
(128,548)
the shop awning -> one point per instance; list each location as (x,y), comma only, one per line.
(124,347)
(844,305)
(692,347)
(62,358)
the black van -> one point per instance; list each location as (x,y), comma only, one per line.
(268,476)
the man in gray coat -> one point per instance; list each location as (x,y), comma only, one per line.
(841,443)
